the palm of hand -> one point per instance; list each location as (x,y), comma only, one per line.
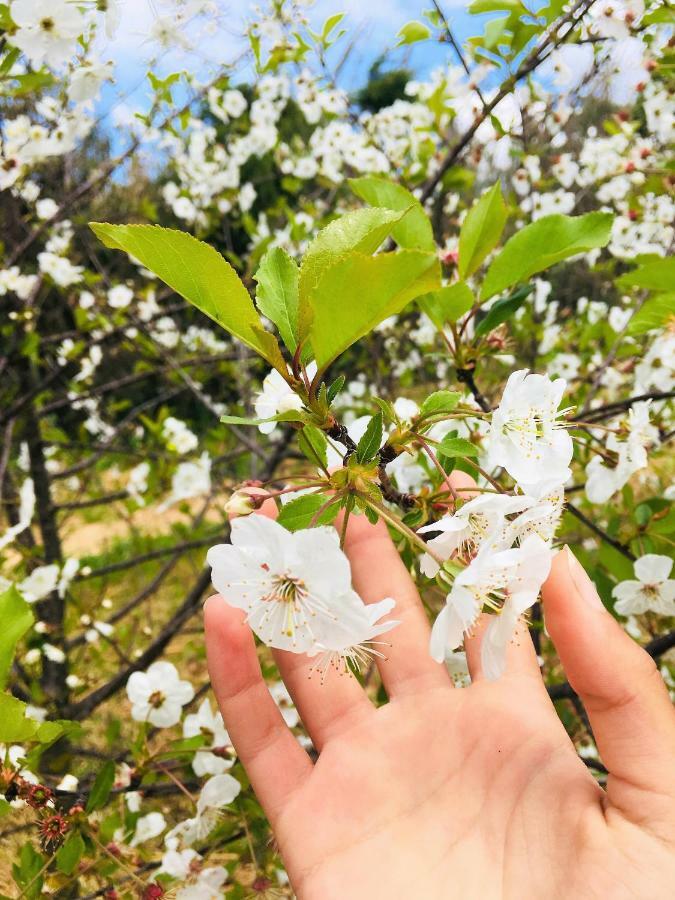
(471,793)
(460,793)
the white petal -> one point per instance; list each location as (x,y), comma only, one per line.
(138,687)
(162,674)
(166,715)
(218,791)
(653,568)
(493,646)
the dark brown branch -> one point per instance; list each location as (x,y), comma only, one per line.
(146,557)
(466,376)
(92,501)
(613,409)
(608,539)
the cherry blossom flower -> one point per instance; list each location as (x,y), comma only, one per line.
(206,886)
(137,483)
(148,827)
(191,479)
(294,586)
(41,582)
(615,18)
(60,270)
(178,436)
(474,523)
(179,863)
(120,296)
(525,436)
(532,567)
(217,792)
(602,480)
(352,643)
(277,397)
(85,82)
(653,591)
(53,653)
(47,30)
(506,581)
(158,695)
(210,725)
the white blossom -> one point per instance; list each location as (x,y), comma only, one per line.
(47,30)
(508,582)
(525,436)
(653,591)
(294,586)
(158,695)
(147,828)
(41,582)
(210,725)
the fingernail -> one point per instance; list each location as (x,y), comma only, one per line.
(582,582)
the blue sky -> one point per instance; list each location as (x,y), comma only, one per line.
(376,20)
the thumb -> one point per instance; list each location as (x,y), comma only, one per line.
(627,702)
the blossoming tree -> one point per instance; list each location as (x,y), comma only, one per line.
(450,310)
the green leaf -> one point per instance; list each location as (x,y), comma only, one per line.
(371,440)
(660,16)
(361,231)
(414,231)
(502,310)
(448,303)
(6,22)
(450,446)
(11,57)
(331,23)
(70,853)
(335,388)
(412,32)
(359,292)
(481,230)
(301,512)
(542,244)
(657,275)
(15,726)
(313,444)
(100,790)
(291,415)
(199,274)
(483,6)
(26,872)
(277,293)
(16,617)
(439,403)
(654,313)
(387,408)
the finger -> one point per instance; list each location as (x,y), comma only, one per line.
(378,572)
(627,703)
(463,485)
(327,706)
(275,762)
(521,657)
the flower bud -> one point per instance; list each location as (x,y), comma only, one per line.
(240,504)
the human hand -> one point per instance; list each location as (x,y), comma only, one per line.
(474,792)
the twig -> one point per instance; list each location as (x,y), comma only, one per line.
(608,539)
